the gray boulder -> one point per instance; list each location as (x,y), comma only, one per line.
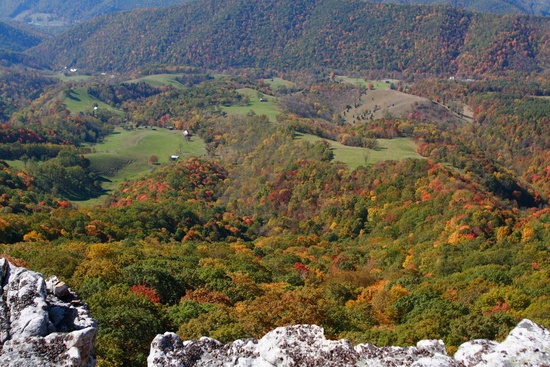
(42,323)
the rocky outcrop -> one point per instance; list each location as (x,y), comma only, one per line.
(42,323)
(527,345)
(305,345)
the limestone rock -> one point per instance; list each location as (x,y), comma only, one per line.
(291,346)
(305,345)
(426,353)
(42,323)
(527,345)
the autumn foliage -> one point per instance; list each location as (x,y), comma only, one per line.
(269,230)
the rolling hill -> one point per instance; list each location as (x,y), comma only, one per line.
(348,34)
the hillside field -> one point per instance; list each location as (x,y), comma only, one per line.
(78,100)
(268,107)
(159,80)
(275,83)
(125,154)
(377,84)
(389,149)
(383,103)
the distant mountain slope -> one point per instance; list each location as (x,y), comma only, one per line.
(77,10)
(69,11)
(286,34)
(532,7)
(15,38)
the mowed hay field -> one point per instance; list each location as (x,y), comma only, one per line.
(353,157)
(126,155)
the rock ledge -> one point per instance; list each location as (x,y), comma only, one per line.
(42,323)
(305,345)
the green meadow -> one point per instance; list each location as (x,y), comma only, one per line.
(78,100)
(274,83)
(125,154)
(160,80)
(362,82)
(16,164)
(268,108)
(388,149)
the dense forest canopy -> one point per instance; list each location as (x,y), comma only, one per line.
(289,198)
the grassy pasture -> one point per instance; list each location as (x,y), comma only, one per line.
(159,80)
(389,149)
(73,77)
(125,154)
(15,164)
(274,83)
(268,108)
(362,82)
(78,100)
(382,103)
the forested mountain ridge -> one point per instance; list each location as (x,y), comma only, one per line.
(267,225)
(15,38)
(277,34)
(60,11)
(55,10)
(533,7)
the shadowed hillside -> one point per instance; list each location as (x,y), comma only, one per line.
(15,38)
